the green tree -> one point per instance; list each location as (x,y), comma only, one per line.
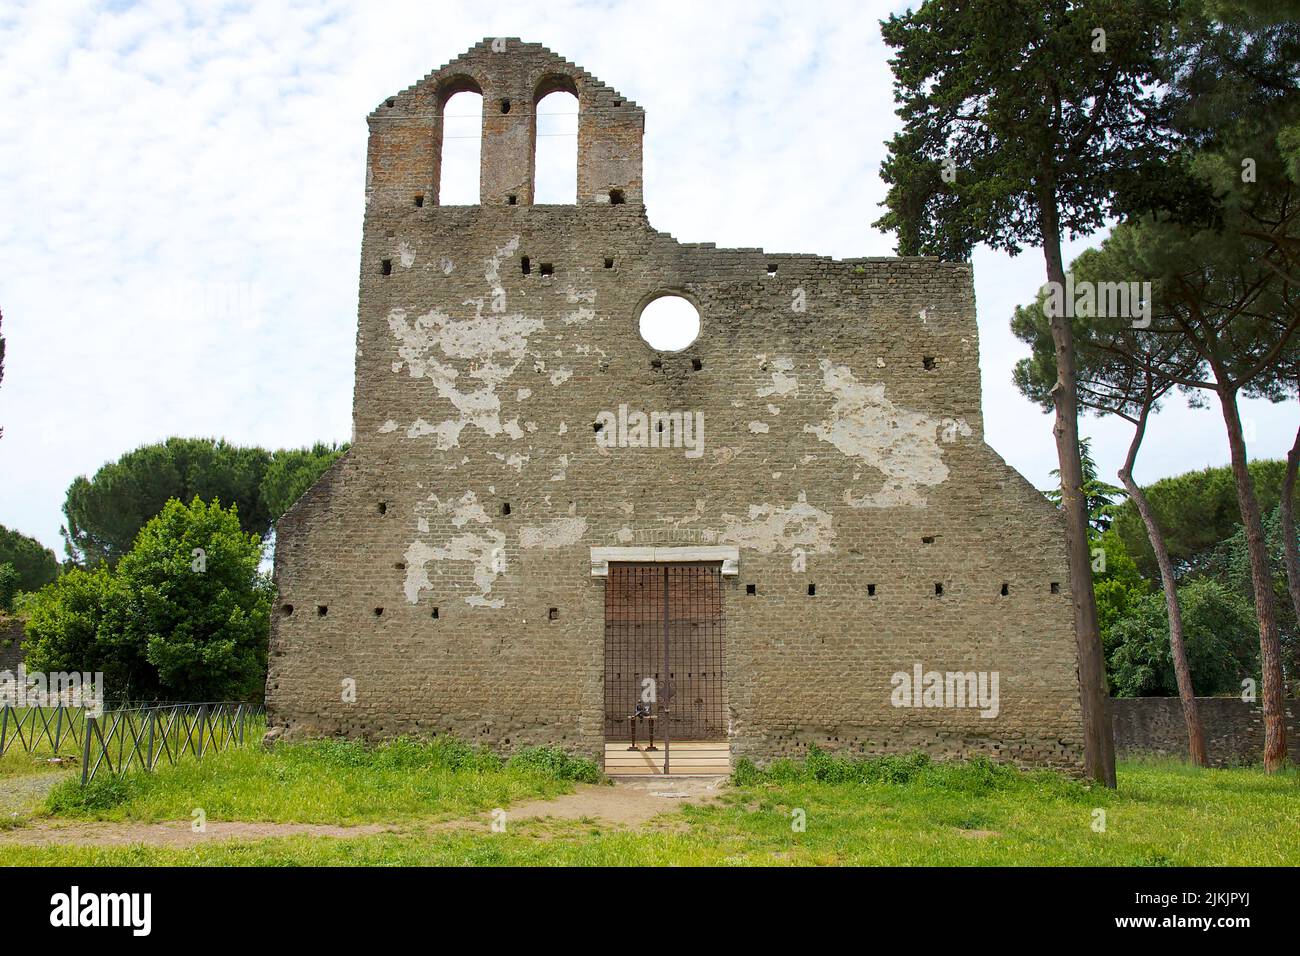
(184,615)
(105,513)
(1216,255)
(1117,583)
(292,471)
(1220,634)
(1022,122)
(192,597)
(65,633)
(9,581)
(1227,274)
(1125,372)
(1100,496)
(1216,293)
(1198,511)
(36,564)
(1229,562)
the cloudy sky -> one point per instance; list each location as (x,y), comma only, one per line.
(181,187)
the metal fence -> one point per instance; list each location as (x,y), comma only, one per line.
(144,737)
(127,737)
(38,730)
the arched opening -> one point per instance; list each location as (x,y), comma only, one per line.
(669,323)
(555,150)
(462,141)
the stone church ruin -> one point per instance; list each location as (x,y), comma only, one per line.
(788,532)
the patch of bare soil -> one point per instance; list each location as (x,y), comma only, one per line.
(19,795)
(628,804)
(177,833)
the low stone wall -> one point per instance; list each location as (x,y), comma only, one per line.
(11,643)
(1234,730)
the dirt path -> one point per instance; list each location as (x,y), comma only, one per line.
(176,833)
(19,795)
(630,803)
(627,804)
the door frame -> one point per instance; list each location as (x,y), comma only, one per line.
(728,557)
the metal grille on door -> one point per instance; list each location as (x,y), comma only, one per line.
(674,672)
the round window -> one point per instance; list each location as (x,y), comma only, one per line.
(669,323)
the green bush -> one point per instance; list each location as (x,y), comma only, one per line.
(183,616)
(1220,632)
(976,775)
(401,753)
(102,793)
(555,763)
(10,580)
(826,768)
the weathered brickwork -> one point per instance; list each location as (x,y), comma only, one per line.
(1234,729)
(842,449)
(11,642)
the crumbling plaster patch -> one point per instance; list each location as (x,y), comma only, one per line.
(459,512)
(466,360)
(556,533)
(902,444)
(783,383)
(768,528)
(485,551)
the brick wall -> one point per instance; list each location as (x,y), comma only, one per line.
(11,643)
(843,448)
(1234,730)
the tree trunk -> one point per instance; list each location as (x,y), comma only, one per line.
(1270,647)
(1178,648)
(1289,547)
(1094,701)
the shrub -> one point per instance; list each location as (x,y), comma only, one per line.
(1219,628)
(744,773)
(400,753)
(102,793)
(977,775)
(9,584)
(64,631)
(183,616)
(555,763)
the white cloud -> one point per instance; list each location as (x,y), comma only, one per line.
(154,149)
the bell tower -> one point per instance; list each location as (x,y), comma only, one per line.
(406,131)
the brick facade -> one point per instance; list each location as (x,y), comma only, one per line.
(842,448)
(12,635)
(1234,729)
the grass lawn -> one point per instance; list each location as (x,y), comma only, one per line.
(888,811)
(16,763)
(34,729)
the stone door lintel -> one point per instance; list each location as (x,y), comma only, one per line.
(729,555)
